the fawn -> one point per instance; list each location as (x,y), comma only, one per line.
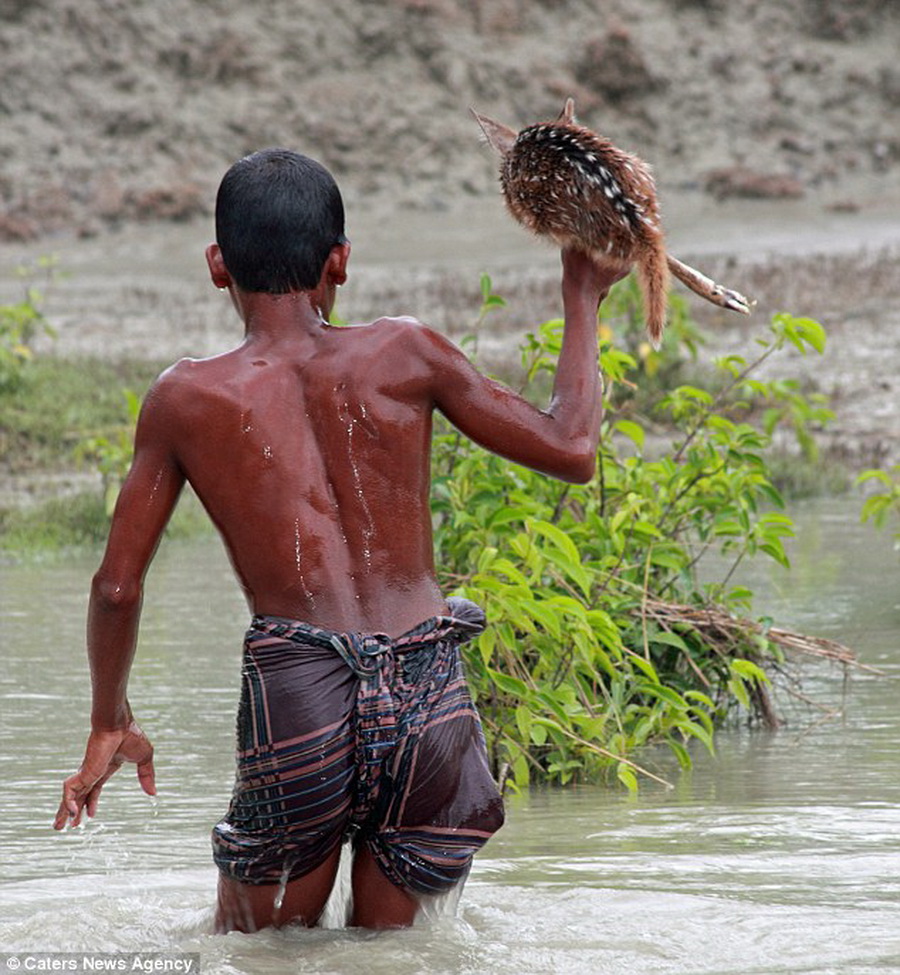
(563,181)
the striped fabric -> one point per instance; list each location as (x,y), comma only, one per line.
(344,734)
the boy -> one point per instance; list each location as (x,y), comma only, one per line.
(309,447)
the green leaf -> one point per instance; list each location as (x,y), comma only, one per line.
(812,332)
(874,475)
(700,697)
(664,693)
(521,770)
(669,639)
(680,752)
(748,670)
(694,730)
(557,537)
(486,285)
(632,430)
(626,776)
(544,614)
(486,643)
(538,734)
(739,690)
(511,685)
(645,665)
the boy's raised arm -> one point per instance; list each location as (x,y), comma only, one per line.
(562,439)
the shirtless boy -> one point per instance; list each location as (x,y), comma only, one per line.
(309,447)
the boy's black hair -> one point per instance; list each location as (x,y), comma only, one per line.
(278,215)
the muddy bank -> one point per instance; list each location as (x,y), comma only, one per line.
(115,112)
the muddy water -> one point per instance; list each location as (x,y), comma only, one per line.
(780,854)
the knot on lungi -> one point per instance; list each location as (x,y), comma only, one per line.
(367,654)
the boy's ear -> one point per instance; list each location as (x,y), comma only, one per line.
(336,265)
(218,273)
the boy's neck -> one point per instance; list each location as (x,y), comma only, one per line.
(281,316)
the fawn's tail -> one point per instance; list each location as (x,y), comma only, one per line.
(653,274)
(707,288)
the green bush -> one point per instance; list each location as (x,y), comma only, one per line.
(59,403)
(110,452)
(595,646)
(57,525)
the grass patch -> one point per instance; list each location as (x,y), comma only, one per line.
(80,521)
(57,405)
(60,402)
(62,523)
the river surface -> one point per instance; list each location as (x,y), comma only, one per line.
(779,854)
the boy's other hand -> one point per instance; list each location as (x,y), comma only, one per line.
(104,755)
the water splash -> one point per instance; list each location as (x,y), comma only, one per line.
(366,423)
(282,888)
(441,906)
(154,490)
(289,862)
(339,906)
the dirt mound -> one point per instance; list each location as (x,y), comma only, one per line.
(113,111)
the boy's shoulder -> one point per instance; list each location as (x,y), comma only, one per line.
(185,372)
(412,331)
(181,382)
(390,326)
(396,332)
(191,371)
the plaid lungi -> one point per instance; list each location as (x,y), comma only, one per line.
(348,734)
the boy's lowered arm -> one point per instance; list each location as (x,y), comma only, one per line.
(144,506)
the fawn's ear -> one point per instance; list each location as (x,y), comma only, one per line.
(501,137)
(567,115)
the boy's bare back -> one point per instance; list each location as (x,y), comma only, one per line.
(312,459)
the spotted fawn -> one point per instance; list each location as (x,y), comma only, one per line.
(563,181)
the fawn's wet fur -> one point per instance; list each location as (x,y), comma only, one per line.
(564,181)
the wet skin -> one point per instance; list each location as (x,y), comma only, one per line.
(309,447)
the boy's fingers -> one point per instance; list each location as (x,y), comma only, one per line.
(147,776)
(93,798)
(69,808)
(63,815)
(104,757)
(84,787)
(98,766)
